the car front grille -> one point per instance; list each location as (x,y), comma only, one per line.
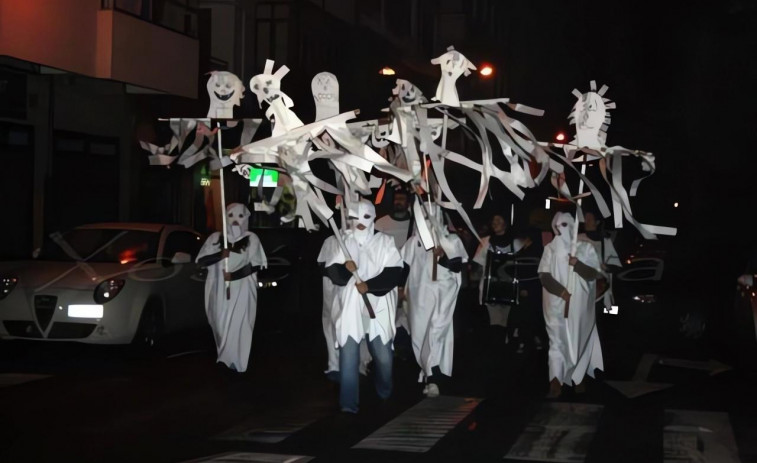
(22,329)
(44,308)
(62,330)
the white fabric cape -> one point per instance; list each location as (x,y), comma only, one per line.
(432,304)
(352,319)
(232,320)
(330,306)
(574,349)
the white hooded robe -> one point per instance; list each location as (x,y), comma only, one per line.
(232,320)
(432,303)
(574,349)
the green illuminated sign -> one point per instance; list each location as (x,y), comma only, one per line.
(270,177)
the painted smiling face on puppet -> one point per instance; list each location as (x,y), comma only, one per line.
(237,221)
(407,93)
(562,225)
(325,88)
(361,221)
(225,91)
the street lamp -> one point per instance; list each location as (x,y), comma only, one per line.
(560,136)
(486,70)
(387,71)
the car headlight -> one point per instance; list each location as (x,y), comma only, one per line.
(108,289)
(6,285)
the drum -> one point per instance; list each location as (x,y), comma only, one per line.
(500,279)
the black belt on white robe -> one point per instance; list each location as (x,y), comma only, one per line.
(243,272)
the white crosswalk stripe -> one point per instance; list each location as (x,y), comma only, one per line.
(559,432)
(420,428)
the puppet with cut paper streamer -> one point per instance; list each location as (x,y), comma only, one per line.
(411,129)
(591,118)
(192,139)
(232,319)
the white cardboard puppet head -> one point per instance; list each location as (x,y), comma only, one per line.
(267,86)
(590,117)
(407,93)
(453,65)
(562,225)
(237,221)
(361,221)
(325,88)
(225,91)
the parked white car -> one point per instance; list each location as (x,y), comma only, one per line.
(108,283)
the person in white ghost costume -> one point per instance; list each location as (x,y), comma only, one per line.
(432,303)
(574,349)
(232,318)
(379,266)
(330,309)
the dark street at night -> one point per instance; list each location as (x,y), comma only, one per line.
(378,230)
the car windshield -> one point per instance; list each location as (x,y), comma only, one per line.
(101,245)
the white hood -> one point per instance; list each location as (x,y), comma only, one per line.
(366,215)
(237,222)
(562,225)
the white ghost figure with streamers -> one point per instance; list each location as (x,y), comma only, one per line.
(232,316)
(591,118)
(325,88)
(225,91)
(267,87)
(453,64)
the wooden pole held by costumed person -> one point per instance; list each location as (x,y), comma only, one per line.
(223,209)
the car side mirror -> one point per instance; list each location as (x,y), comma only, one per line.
(181,258)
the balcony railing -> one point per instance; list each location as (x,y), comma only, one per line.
(177,15)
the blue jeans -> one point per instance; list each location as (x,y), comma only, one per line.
(349,375)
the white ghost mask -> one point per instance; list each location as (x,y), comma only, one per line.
(325,90)
(225,91)
(361,221)
(237,222)
(591,118)
(453,64)
(562,225)
(407,93)
(267,86)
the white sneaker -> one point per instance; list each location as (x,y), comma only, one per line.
(431,390)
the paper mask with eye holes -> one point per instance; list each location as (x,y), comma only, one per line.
(225,91)
(453,64)
(237,221)
(325,89)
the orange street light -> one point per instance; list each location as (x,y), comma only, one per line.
(387,71)
(560,136)
(486,70)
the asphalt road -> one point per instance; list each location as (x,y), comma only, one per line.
(73,402)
